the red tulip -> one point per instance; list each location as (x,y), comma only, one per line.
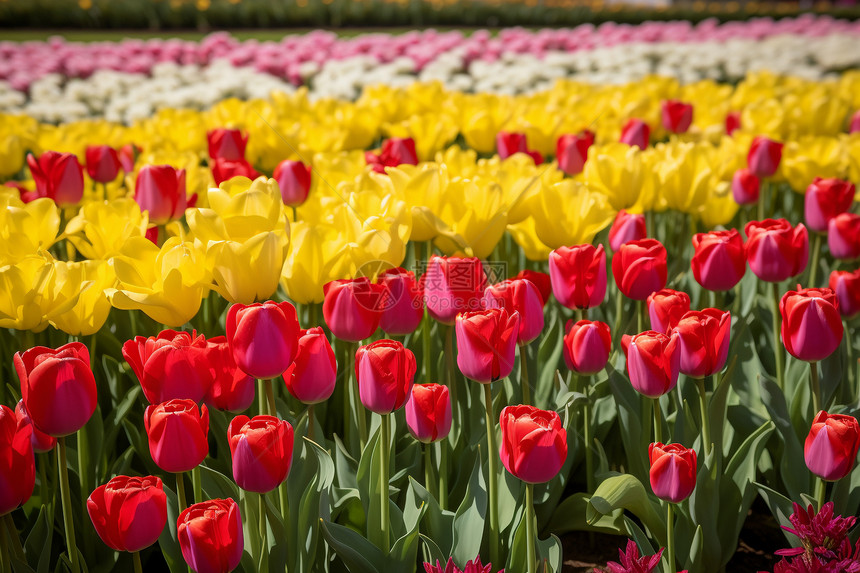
(831,446)
(719,262)
(854,126)
(41,441)
(231,389)
(452,285)
(177,432)
(103,163)
(625,228)
(811,324)
(262,451)
(733,122)
(226,169)
(428,413)
(843,236)
(58,387)
(395,151)
(846,285)
(666,307)
(746,187)
(211,537)
(676,116)
(17,465)
(673,471)
(58,176)
(352,308)
(486,343)
(639,268)
(312,375)
(402,301)
(540,280)
(578,275)
(171,365)
(636,132)
(653,361)
(263,337)
(509,143)
(294,180)
(704,338)
(571,151)
(129,513)
(385,371)
(160,190)
(586,346)
(227,144)
(128,156)
(522,296)
(776,250)
(824,200)
(534,443)
(764,156)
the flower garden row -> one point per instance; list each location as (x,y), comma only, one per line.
(353,422)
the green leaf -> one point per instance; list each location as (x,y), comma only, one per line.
(791,458)
(781,508)
(469,518)
(548,358)
(435,523)
(433,554)
(627,492)
(369,488)
(630,407)
(168,540)
(216,485)
(359,554)
(570,516)
(404,552)
(37,547)
(316,476)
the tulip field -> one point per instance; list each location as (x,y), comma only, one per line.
(426,320)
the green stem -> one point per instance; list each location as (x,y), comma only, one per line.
(138,566)
(492,486)
(619,309)
(311,423)
(449,364)
(524,374)
(313,311)
(359,412)
(264,535)
(852,381)
(252,524)
(5,555)
(285,513)
(707,445)
(428,468)
(384,451)
(41,462)
(658,420)
(261,396)
(17,550)
(778,350)
(586,419)
(295,214)
(822,493)
(180,492)
(670,537)
(66,495)
(270,396)
(813,264)
(443,474)
(816,387)
(84,465)
(761,199)
(531,559)
(425,341)
(197,484)
(640,315)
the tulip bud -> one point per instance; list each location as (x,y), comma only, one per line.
(843,236)
(171,365)
(676,116)
(508,143)
(811,325)
(395,151)
(486,343)
(776,250)
(294,180)
(58,176)
(402,301)
(824,200)
(160,190)
(129,513)
(578,275)
(17,465)
(312,376)
(227,144)
(523,297)
(103,163)
(385,371)
(541,280)
(263,337)
(534,443)
(210,536)
(226,169)
(586,346)
(653,362)
(452,285)
(831,447)
(41,441)
(57,387)
(231,389)
(764,156)
(733,122)
(636,132)
(639,268)
(719,262)
(428,413)
(352,308)
(854,127)
(571,151)
(673,471)
(128,156)
(704,339)
(625,228)
(262,451)
(846,285)
(666,307)
(178,434)
(746,187)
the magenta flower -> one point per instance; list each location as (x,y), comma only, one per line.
(821,533)
(631,562)
(473,566)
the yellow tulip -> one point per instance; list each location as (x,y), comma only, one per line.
(570,213)
(88,279)
(247,271)
(17,135)
(26,229)
(616,170)
(431,131)
(764,117)
(685,175)
(423,187)
(25,302)
(719,207)
(476,225)
(311,261)
(100,229)
(817,110)
(482,117)
(525,235)
(812,156)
